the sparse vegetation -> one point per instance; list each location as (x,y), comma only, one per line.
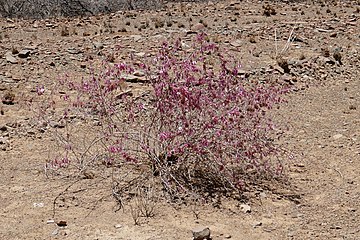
(201,129)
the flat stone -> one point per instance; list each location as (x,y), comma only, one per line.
(236,43)
(337,136)
(10,58)
(117,226)
(24,53)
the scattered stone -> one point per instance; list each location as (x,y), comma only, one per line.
(136,37)
(337,56)
(55,124)
(323,60)
(74,51)
(140,54)
(334,34)
(117,226)
(337,136)
(38,205)
(98,45)
(269,10)
(352,107)
(62,223)
(24,53)
(236,43)
(201,233)
(8,98)
(323,30)
(283,64)
(198,27)
(245,208)
(227,236)
(55,232)
(252,39)
(10,58)
(257,224)
(134,79)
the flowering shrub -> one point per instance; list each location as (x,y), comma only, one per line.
(198,125)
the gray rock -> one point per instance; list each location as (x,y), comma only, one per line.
(10,58)
(98,45)
(201,233)
(24,53)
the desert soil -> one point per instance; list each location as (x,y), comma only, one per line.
(319,124)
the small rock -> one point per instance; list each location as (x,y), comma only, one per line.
(98,45)
(74,51)
(337,136)
(323,60)
(201,233)
(337,56)
(227,236)
(55,124)
(134,79)
(10,58)
(245,208)
(262,195)
(8,98)
(38,205)
(62,223)
(136,37)
(257,224)
(55,232)
(198,27)
(117,226)
(236,43)
(140,54)
(24,53)
(283,63)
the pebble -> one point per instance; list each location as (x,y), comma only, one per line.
(337,136)
(55,232)
(117,226)
(257,224)
(98,45)
(201,233)
(236,43)
(245,208)
(198,27)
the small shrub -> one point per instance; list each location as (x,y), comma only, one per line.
(201,128)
